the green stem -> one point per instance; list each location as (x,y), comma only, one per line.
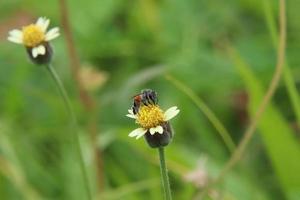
(68,105)
(164,174)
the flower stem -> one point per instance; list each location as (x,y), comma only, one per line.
(164,174)
(73,119)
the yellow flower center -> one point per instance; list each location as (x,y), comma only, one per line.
(150,116)
(33,35)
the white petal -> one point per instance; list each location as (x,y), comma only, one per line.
(40,50)
(52,33)
(16,33)
(15,40)
(171,113)
(45,25)
(152,131)
(139,132)
(130,111)
(140,135)
(34,52)
(15,36)
(43,22)
(131,116)
(157,129)
(40,21)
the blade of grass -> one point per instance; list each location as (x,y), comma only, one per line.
(87,100)
(73,119)
(10,165)
(237,155)
(278,137)
(121,192)
(287,74)
(206,110)
(13,173)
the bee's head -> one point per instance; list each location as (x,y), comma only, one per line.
(137,99)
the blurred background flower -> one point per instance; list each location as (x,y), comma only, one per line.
(92,79)
(35,38)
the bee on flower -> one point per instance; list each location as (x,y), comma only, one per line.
(154,122)
(35,38)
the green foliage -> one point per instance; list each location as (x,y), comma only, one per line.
(279,139)
(137,43)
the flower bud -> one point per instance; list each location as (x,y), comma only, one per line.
(160,140)
(41,59)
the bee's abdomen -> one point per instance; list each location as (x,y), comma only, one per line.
(149,97)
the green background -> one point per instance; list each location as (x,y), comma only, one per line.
(135,44)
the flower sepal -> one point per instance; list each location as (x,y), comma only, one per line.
(41,54)
(157,140)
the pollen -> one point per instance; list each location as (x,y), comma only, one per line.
(150,116)
(33,35)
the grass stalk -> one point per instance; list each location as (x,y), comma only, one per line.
(287,73)
(267,97)
(87,100)
(237,154)
(219,126)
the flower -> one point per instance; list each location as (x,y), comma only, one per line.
(199,176)
(91,78)
(35,38)
(154,124)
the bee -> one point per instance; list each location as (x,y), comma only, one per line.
(146,97)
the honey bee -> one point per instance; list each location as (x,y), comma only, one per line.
(146,97)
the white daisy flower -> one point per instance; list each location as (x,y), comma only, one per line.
(35,36)
(151,118)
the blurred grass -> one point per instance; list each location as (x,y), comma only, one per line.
(287,75)
(11,168)
(206,110)
(279,140)
(137,43)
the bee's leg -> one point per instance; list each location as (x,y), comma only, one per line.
(135,108)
